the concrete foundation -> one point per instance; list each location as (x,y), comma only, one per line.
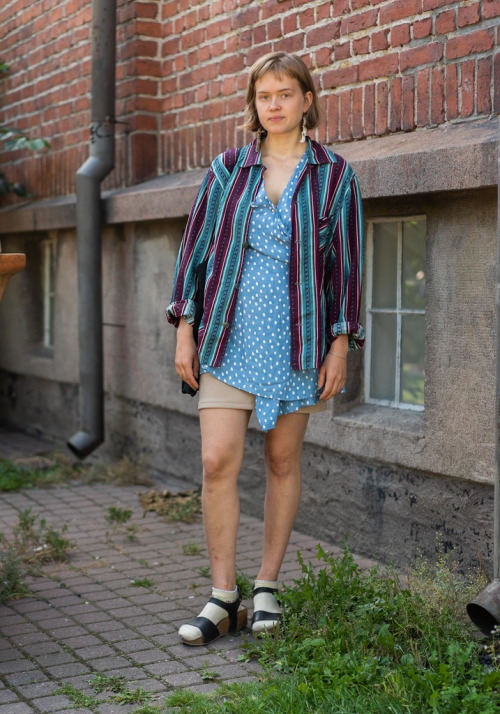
(384,512)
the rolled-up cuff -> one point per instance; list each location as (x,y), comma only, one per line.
(181,308)
(355,332)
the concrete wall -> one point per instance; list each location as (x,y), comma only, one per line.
(384,479)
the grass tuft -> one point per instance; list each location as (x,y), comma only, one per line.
(356,642)
(59,469)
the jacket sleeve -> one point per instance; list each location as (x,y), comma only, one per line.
(347,270)
(194,249)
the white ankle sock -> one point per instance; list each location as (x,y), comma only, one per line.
(211,611)
(225,595)
(266,601)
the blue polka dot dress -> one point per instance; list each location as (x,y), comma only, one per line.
(258,354)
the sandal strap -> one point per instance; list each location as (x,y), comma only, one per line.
(260,615)
(256,591)
(207,628)
(231,608)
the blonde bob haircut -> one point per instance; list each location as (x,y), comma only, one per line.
(280,64)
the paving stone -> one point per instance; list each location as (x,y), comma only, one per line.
(8,653)
(16,665)
(169,666)
(29,605)
(51,660)
(108,663)
(52,704)
(19,708)
(133,645)
(95,652)
(231,671)
(183,679)
(40,689)
(117,633)
(18,629)
(41,648)
(80,641)
(65,633)
(148,656)
(67,670)
(131,674)
(31,638)
(18,678)
(7,696)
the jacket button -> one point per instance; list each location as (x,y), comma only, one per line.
(226,324)
(245,244)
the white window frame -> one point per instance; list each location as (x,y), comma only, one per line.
(398,311)
(48,248)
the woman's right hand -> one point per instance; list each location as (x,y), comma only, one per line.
(187,363)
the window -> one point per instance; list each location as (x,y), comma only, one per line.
(395,321)
(48,291)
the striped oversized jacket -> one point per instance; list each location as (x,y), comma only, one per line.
(326,253)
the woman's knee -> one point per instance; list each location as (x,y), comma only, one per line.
(282,463)
(218,464)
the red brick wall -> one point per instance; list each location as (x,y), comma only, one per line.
(381,66)
(47,90)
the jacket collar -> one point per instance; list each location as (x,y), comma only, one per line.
(316,154)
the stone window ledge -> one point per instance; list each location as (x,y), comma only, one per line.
(401,164)
(390,419)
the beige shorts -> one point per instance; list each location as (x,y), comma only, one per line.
(217,395)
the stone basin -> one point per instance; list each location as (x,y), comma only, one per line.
(10,264)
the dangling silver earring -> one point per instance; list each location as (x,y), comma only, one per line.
(260,133)
(304,129)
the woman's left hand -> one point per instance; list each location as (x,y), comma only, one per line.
(333,372)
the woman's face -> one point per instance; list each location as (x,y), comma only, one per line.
(280,103)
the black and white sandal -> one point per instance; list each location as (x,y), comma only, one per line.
(217,618)
(267,612)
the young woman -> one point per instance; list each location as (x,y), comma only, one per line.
(279,225)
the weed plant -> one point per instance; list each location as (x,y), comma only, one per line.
(12,585)
(142,583)
(360,643)
(34,543)
(117,516)
(14,476)
(245,585)
(59,469)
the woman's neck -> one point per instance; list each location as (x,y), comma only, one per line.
(283,146)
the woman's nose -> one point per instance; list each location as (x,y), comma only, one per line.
(275,102)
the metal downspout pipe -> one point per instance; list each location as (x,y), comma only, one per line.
(89,222)
(484,610)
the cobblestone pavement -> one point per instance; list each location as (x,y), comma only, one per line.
(86,616)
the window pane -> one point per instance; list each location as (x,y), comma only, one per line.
(383,358)
(413,292)
(412,359)
(385,254)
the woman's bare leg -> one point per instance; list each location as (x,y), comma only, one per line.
(223,439)
(283,450)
